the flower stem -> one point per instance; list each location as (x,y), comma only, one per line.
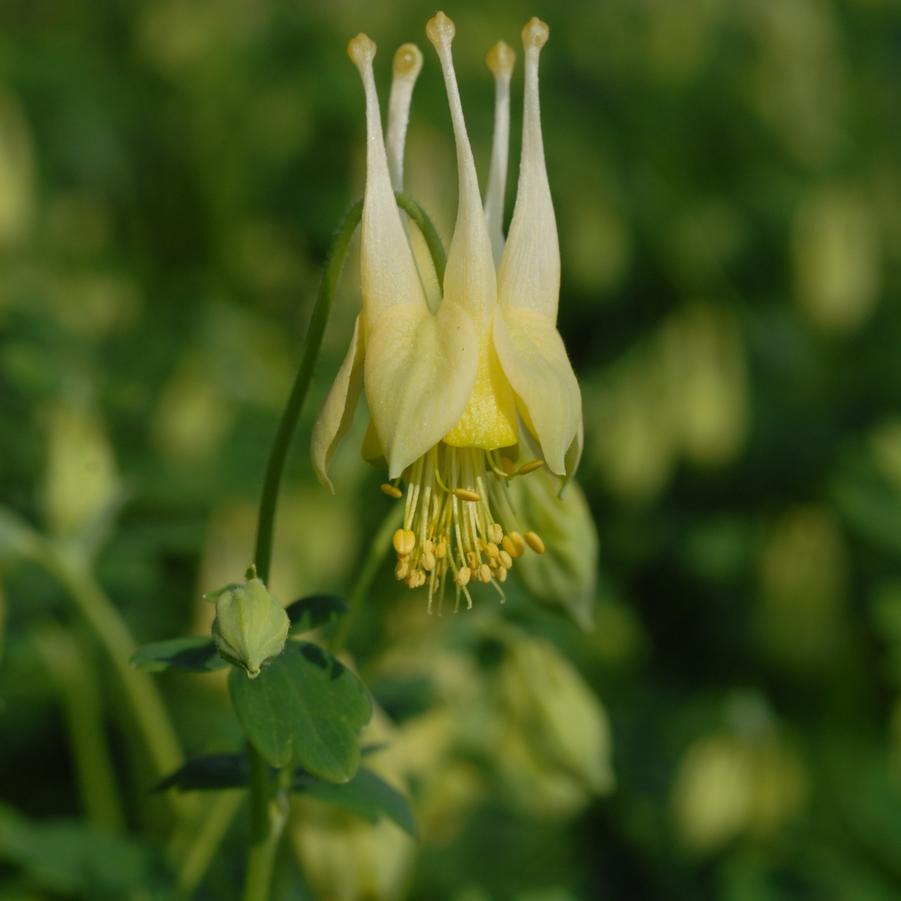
(207,835)
(79,692)
(101,615)
(275,467)
(368,571)
(428,231)
(268,808)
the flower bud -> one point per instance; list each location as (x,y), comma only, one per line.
(566,574)
(80,482)
(250,626)
(549,701)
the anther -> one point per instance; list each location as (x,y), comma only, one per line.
(506,559)
(485,573)
(510,546)
(404,541)
(428,546)
(535,542)
(518,542)
(462,576)
(491,549)
(496,532)
(500,59)
(361,49)
(531,466)
(535,33)
(472,558)
(466,495)
(508,466)
(428,561)
(441,550)
(401,570)
(502,573)
(391,490)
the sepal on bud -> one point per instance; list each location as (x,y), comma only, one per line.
(251,626)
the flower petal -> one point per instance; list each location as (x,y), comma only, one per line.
(500,60)
(418,374)
(529,274)
(337,412)
(534,359)
(389,273)
(406,68)
(470,279)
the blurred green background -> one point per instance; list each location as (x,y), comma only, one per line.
(728,192)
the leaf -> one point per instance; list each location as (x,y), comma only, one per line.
(196,654)
(315,611)
(305,708)
(367,795)
(212,771)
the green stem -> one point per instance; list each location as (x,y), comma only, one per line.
(101,615)
(70,669)
(266,822)
(205,839)
(275,467)
(428,231)
(268,811)
(374,557)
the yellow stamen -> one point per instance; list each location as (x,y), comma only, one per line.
(391,490)
(531,466)
(535,542)
(484,573)
(463,576)
(466,495)
(506,560)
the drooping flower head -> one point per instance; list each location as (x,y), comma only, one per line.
(453,391)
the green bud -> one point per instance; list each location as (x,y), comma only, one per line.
(250,626)
(565,575)
(548,700)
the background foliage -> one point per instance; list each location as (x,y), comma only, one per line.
(728,191)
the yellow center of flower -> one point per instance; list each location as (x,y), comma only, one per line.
(458,522)
(489,420)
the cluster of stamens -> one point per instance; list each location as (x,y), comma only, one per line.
(458,522)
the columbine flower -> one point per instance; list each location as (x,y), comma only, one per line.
(448,389)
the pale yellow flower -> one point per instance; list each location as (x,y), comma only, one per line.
(448,389)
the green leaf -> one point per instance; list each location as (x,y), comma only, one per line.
(191,655)
(305,708)
(212,771)
(315,611)
(367,795)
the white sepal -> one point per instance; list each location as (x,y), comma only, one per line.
(337,412)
